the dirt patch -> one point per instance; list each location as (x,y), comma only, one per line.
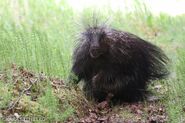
(28,87)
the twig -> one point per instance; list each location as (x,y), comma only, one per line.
(18,99)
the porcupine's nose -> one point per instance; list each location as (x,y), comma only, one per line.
(95,52)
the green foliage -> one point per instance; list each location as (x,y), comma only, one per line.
(6,96)
(33,36)
(50,103)
(176,100)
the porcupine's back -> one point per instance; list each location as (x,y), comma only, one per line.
(131,49)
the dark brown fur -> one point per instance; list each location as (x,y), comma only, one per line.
(116,62)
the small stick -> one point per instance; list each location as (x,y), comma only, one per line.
(18,99)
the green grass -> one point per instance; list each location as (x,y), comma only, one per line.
(51,104)
(6,96)
(39,35)
(176,100)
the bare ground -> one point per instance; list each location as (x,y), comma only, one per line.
(28,87)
